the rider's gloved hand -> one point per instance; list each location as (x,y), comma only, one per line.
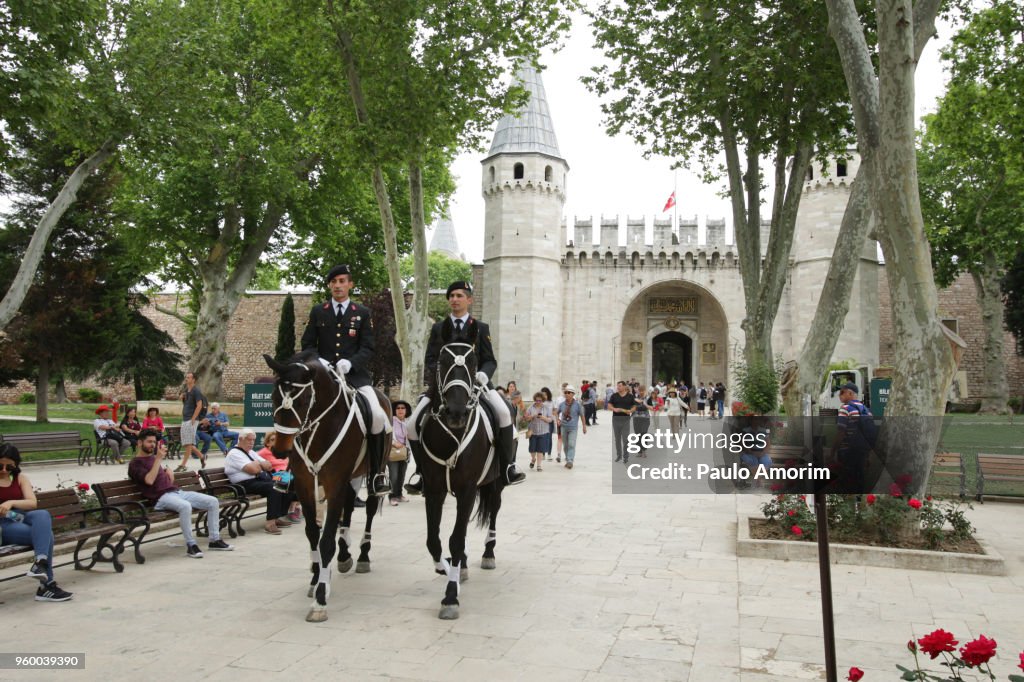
(344,366)
(482,378)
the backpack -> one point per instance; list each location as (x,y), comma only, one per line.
(866,424)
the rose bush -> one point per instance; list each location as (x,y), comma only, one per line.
(976,654)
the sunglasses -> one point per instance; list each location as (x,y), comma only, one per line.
(8,467)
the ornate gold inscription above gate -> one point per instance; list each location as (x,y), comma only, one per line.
(674,305)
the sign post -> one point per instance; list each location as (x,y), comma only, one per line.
(259,407)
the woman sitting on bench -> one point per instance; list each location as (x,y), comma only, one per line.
(22,524)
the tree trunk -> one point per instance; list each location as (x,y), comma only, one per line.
(411,328)
(994,390)
(209,340)
(139,394)
(15,295)
(804,376)
(60,390)
(43,391)
(883,106)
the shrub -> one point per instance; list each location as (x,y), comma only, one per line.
(1015,404)
(757,386)
(27,399)
(89,395)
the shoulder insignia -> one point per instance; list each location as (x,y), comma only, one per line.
(327,305)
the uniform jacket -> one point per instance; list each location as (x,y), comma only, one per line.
(474,332)
(349,338)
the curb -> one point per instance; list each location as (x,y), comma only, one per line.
(989,563)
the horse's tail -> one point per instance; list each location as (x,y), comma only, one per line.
(489,502)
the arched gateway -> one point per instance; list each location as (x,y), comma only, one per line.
(674,330)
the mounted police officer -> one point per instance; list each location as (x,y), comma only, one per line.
(341,331)
(464,328)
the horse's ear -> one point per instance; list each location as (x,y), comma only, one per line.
(273,364)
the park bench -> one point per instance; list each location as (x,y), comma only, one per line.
(173,434)
(788,454)
(51,441)
(71,524)
(217,480)
(947,465)
(1007,468)
(139,512)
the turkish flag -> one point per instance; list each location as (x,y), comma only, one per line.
(670,203)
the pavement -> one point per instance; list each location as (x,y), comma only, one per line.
(589,586)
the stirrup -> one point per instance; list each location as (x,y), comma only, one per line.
(378,485)
(513,476)
(415,488)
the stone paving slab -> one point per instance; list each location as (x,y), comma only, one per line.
(589,586)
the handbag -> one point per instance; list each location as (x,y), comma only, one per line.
(399,454)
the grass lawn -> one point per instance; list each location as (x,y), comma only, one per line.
(969,434)
(56,411)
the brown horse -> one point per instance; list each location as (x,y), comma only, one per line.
(319,428)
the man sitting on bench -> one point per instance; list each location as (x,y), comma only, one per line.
(157,483)
(246,468)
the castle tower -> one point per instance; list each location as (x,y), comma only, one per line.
(524,180)
(444,239)
(826,191)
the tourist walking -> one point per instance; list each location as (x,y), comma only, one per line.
(570,414)
(622,405)
(538,416)
(641,417)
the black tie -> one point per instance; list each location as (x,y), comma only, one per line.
(340,311)
(458,327)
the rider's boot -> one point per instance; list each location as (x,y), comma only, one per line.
(376,479)
(506,446)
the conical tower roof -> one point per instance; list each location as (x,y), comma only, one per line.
(531,129)
(444,239)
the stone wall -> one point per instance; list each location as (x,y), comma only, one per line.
(958,302)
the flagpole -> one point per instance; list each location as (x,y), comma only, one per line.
(675,203)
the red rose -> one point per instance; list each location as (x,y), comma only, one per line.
(929,498)
(978,651)
(855,674)
(914,503)
(791,512)
(1022,660)
(912,647)
(871,499)
(797,530)
(895,490)
(935,643)
(83,486)
(803,498)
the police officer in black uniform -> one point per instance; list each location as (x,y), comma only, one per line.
(463,327)
(341,331)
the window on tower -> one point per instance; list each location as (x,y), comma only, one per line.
(517,171)
(548,174)
(810,172)
(492,174)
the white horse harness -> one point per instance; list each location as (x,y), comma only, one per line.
(474,390)
(306,425)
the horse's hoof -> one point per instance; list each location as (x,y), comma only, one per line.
(488,564)
(362,566)
(316,614)
(463,574)
(448,612)
(345,566)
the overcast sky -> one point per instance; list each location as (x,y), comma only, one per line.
(609,176)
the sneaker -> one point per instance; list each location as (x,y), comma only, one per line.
(394,502)
(38,570)
(220,545)
(295,517)
(194,552)
(282,522)
(51,592)
(359,503)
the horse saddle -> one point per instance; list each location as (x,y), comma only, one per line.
(365,415)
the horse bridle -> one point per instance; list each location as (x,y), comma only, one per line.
(446,382)
(310,425)
(473,404)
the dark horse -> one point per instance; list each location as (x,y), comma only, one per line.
(318,428)
(455,455)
